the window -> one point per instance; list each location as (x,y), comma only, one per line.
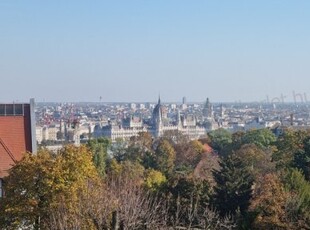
(18,110)
(2,110)
(9,109)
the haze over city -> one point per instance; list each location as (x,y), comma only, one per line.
(133,50)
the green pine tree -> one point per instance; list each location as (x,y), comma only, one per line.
(302,159)
(99,148)
(233,189)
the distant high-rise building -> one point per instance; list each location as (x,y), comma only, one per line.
(184,105)
(17,134)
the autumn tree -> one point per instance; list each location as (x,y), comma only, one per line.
(288,143)
(188,155)
(208,163)
(39,183)
(154,180)
(165,157)
(269,204)
(139,147)
(257,161)
(188,198)
(175,136)
(131,169)
(118,202)
(144,140)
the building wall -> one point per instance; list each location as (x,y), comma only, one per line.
(16,135)
(39,134)
(52,133)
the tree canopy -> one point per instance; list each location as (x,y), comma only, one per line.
(39,183)
(244,180)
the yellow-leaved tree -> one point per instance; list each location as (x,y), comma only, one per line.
(43,185)
(269,204)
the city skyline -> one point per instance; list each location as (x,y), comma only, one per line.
(130,51)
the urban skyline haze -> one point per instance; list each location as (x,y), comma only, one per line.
(133,50)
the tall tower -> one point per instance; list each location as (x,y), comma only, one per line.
(184,105)
(157,118)
(208,109)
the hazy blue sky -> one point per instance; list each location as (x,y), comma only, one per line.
(132,50)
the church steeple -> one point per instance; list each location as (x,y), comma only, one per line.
(157,114)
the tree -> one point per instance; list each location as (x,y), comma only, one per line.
(175,136)
(188,155)
(119,150)
(135,208)
(220,139)
(263,138)
(143,140)
(129,169)
(302,159)
(208,163)
(188,198)
(289,143)
(257,160)
(298,205)
(154,180)
(237,140)
(117,203)
(140,149)
(269,204)
(165,157)
(99,148)
(39,183)
(233,189)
